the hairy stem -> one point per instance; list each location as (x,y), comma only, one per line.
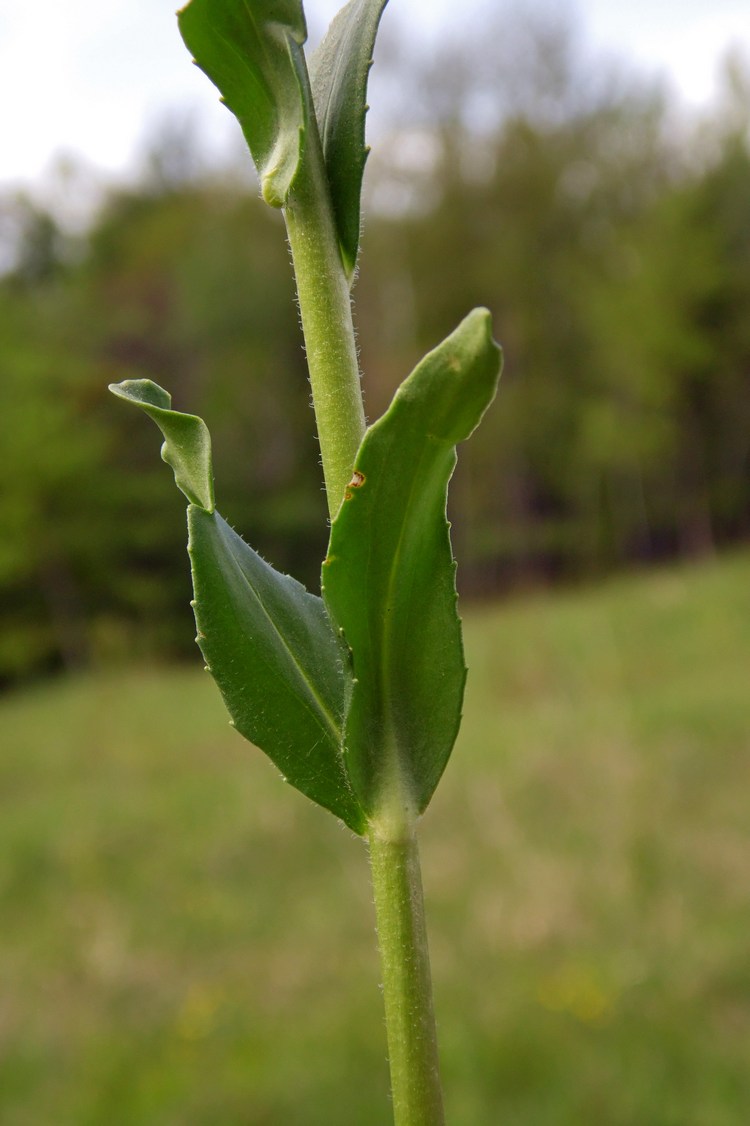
(407,985)
(326,311)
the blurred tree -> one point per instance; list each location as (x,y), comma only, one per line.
(189,286)
(51,452)
(613,249)
(582,218)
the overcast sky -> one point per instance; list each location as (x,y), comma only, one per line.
(86,77)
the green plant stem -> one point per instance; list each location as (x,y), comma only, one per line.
(407,984)
(326,311)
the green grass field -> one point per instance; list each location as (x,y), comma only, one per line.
(184,941)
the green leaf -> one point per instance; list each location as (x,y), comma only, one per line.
(389,579)
(251,50)
(270,647)
(268,643)
(339,69)
(187,442)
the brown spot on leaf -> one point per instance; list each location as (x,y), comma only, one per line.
(358,479)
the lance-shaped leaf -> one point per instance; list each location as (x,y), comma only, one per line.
(339,70)
(389,579)
(270,647)
(267,642)
(251,50)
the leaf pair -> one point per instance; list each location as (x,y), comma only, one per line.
(357,697)
(252,51)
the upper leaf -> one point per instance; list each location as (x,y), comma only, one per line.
(389,579)
(339,70)
(268,643)
(187,442)
(251,50)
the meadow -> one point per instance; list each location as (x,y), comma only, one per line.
(186,941)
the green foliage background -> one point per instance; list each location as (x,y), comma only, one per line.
(610,240)
(170,952)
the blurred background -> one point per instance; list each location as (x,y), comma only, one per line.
(183,941)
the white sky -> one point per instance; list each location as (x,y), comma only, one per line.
(85,78)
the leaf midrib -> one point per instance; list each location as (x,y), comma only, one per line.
(243,57)
(329,723)
(342,57)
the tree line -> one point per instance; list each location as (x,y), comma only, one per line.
(610,237)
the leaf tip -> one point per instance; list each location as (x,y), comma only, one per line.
(481,318)
(142,392)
